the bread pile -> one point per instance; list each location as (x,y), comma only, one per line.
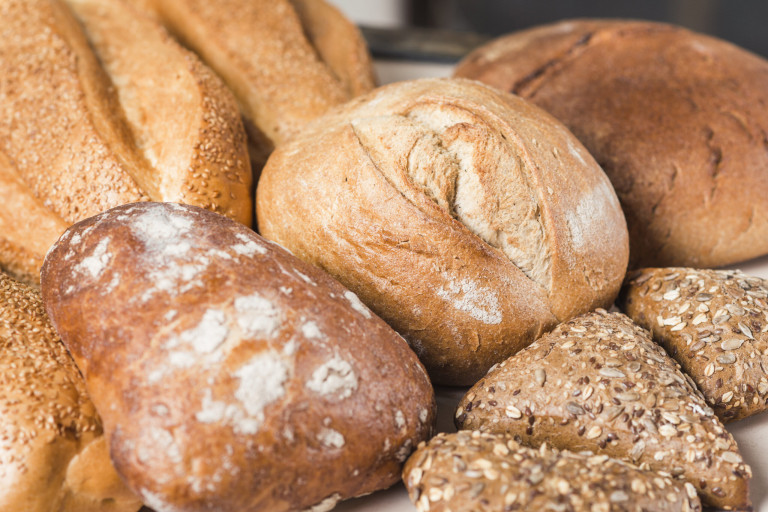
(438,231)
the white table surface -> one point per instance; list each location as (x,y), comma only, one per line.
(751,434)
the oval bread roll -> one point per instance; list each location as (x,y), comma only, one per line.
(230,375)
(76,139)
(468,219)
(53,454)
(677,120)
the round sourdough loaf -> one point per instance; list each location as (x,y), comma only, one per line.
(230,375)
(678,121)
(467,218)
(53,453)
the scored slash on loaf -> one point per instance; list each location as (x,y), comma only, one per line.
(467,218)
(229,374)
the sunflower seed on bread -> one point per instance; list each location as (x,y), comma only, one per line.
(599,383)
(715,324)
(491,472)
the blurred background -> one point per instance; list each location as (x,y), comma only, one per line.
(740,21)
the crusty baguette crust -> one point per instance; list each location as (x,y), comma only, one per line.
(468,219)
(231,375)
(287,62)
(714,323)
(53,456)
(68,147)
(677,120)
(485,472)
(599,383)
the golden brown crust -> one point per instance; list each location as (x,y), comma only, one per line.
(183,119)
(230,374)
(486,472)
(445,205)
(677,120)
(269,59)
(715,324)
(599,383)
(48,426)
(72,143)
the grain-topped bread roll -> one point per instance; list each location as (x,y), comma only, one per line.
(287,61)
(230,375)
(53,454)
(676,119)
(599,383)
(715,324)
(485,472)
(468,219)
(76,140)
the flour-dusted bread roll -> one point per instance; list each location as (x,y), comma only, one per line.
(77,138)
(287,61)
(677,120)
(599,383)
(53,454)
(230,375)
(467,218)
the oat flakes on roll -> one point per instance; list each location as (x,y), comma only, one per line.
(230,375)
(485,472)
(54,456)
(77,138)
(599,383)
(677,120)
(467,218)
(715,324)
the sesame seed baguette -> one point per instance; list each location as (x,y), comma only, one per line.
(53,453)
(230,375)
(468,219)
(715,324)
(485,472)
(599,383)
(182,117)
(286,61)
(677,120)
(70,147)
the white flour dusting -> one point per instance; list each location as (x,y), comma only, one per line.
(479,302)
(310,330)
(587,221)
(335,377)
(262,381)
(331,438)
(95,264)
(257,316)
(249,247)
(326,505)
(357,304)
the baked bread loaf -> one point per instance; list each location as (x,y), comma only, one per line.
(599,383)
(287,61)
(485,472)
(53,454)
(676,119)
(715,324)
(230,375)
(467,218)
(76,140)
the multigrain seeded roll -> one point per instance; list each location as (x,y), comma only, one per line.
(77,138)
(287,61)
(485,472)
(230,375)
(715,324)
(468,219)
(53,453)
(599,383)
(677,120)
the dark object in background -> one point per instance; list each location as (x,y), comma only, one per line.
(740,22)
